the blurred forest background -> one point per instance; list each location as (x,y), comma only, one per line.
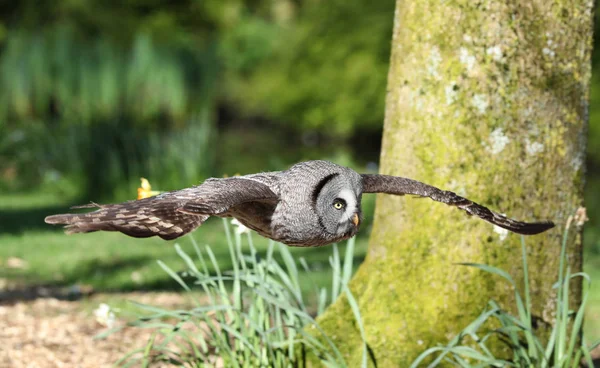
(96,94)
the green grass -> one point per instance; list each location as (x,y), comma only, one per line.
(262,319)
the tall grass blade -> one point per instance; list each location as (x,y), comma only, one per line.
(173,275)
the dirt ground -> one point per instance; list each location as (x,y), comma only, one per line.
(48,332)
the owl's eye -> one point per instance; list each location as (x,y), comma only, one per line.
(338,204)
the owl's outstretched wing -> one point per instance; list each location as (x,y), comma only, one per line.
(168,215)
(373,183)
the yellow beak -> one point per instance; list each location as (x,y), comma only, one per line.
(355,219)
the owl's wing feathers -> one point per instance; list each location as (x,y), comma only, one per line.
(373,183)
(140,219)
(237,190)
(168,215)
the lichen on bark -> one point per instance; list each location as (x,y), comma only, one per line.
(487,99)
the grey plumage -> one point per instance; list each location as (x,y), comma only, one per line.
(312,203)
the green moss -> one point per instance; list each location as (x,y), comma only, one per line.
(488,100)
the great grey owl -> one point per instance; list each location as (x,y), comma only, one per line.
(312,203)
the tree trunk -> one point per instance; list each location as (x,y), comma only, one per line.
(488,99)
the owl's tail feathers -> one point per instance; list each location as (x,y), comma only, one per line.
(138,219)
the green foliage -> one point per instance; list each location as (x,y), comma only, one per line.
(592,195)
(96,94)
(562,350)
(107,160)
(327,71)
(62,78)
(256,313)
(100,115)
(151,61)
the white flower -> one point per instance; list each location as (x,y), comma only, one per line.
(239,227)
(498,141)
(104,315)
(501,232)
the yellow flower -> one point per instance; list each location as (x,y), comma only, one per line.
(145,190)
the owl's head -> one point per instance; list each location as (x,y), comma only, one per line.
(319,204)
(336,200)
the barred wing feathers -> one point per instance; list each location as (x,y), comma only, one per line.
(140,219)
(168,215)
(373,183)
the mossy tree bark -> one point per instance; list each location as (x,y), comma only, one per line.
(487,99)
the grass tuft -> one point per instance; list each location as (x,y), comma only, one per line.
(252,315)
(565,348)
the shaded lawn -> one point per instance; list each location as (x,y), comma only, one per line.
(113,262)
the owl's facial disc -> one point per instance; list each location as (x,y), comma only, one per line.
(349,206)
(338,207)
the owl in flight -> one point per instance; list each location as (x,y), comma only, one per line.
(312,203)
